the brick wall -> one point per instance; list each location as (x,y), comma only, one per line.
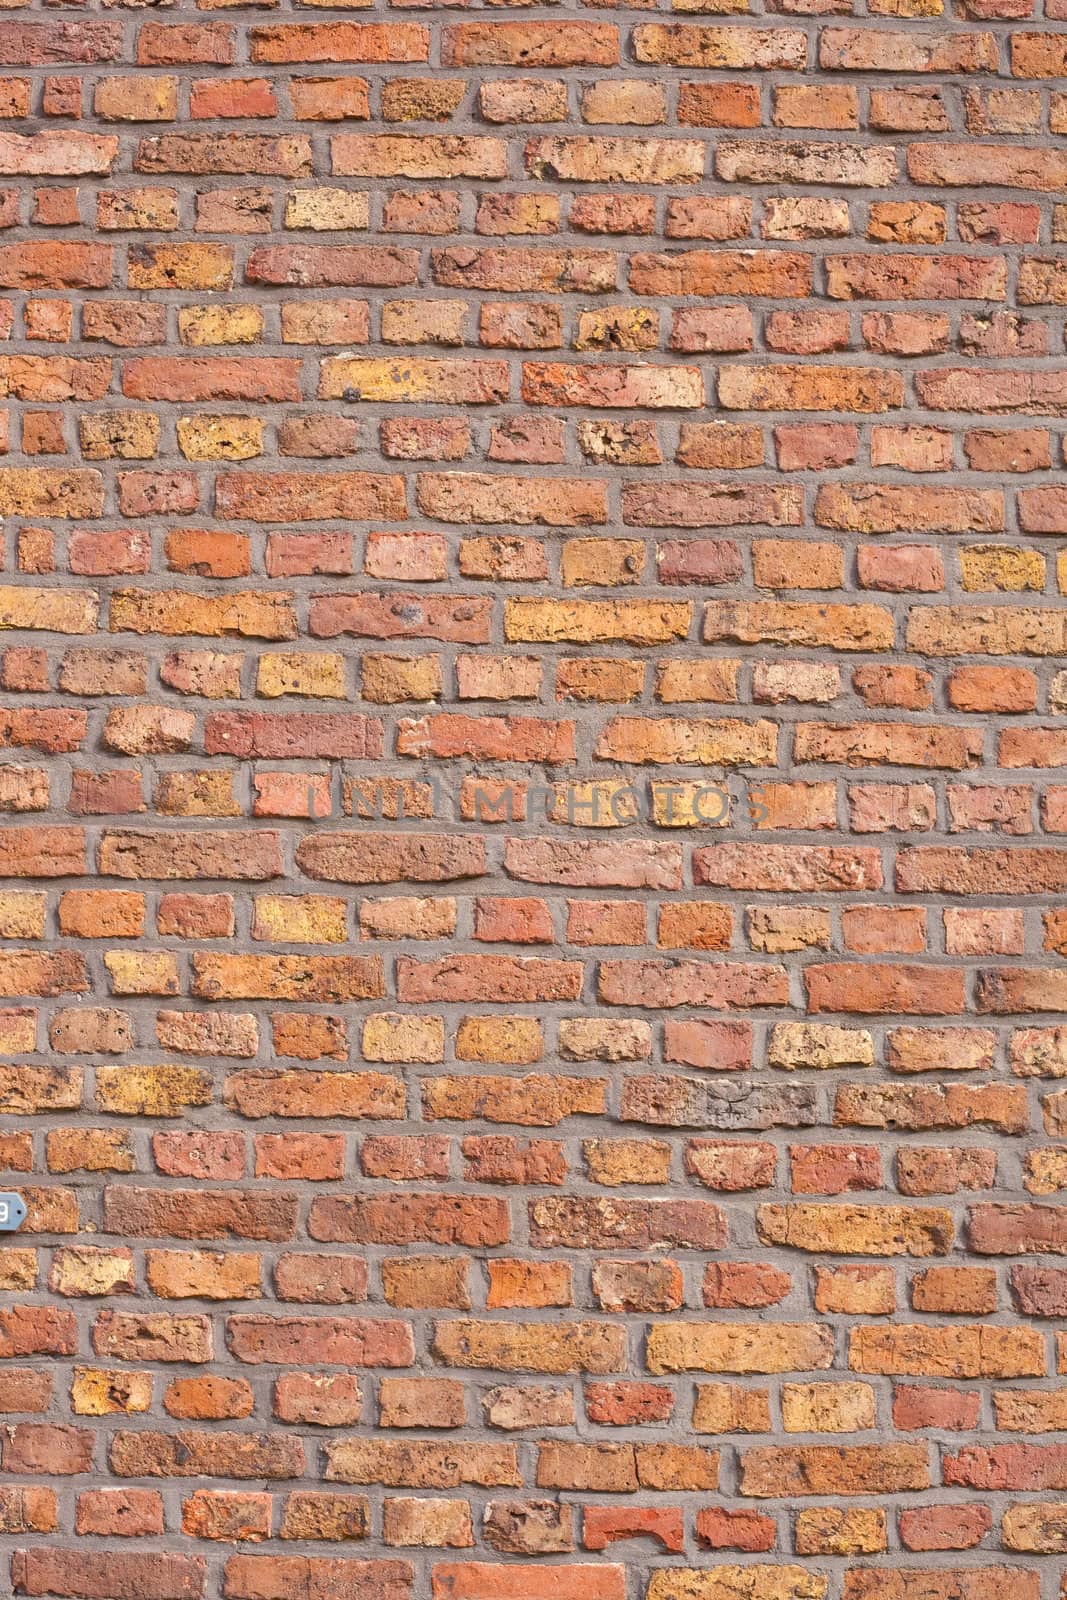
(534,715)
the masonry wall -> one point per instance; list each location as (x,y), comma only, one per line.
(534,717)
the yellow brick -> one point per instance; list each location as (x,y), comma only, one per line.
(291,672)
(136,99)
(986,567)
(220,438)
(49,492)
(176,611)
(142,971)
(388,679)
(840,1531)
(827,1407)
(326,209)
(515,1040)
(615,1161)
(423,321)
(601,1039)
(421,99)
(18,1029)
(190,265)
(392,1037)
(146,209)
(602,561)
(855,1291)
(682,804)
(90,1150)
(18,1271)
(22,916)
(607,803)
(738,1347)
(752,1582)
(126,435)
(165,1091)
(618,328)
(49,610)
(858,1230)
(407,917)
(729,1408)
(83,1271)
(196,794)
(413,378)
(698,741)
(98,1392)
(299,919)
(596,621)
(210,325)
(1046,1171)
(1036,1529)
(680,681)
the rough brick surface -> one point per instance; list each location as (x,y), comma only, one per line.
(532,989)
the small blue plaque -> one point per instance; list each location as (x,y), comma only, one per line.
(12,1211)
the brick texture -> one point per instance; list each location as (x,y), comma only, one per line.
(532,988)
